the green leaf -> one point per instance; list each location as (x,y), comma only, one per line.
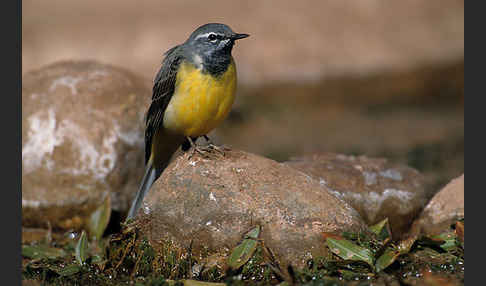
(387,258)
(99,219)
(99,262)
(81,249)
(244,251)
(406,244)
(69,270)
(42,251)
(449,240)
(392,253)
(253,234)
(350,251)
(382,230)
(95,259)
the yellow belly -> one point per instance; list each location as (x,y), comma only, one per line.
(200,101)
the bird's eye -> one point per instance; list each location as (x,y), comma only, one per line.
(212,37)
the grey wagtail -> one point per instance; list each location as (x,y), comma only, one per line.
(192,94)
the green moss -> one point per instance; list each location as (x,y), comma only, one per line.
(126,256)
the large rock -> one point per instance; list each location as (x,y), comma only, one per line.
(374,187)
(445,208)
(82,140)
(211,204)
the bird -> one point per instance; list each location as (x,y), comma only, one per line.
(192,94)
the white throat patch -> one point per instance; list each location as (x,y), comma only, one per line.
(198,61)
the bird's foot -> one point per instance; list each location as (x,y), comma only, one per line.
(220,149)
(210,151)
(207,152)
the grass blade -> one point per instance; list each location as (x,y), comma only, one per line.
(99,219)
(382,230)
(42,251)
(81,250)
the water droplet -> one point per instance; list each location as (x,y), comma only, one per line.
(146,209)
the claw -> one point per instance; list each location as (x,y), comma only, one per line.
(206,151)
(219,149)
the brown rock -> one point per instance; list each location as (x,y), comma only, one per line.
(445,208)
(82,139)
(374,187)
(213,203)
(30,235)
(31,282)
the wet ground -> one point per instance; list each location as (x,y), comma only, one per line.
(365,258)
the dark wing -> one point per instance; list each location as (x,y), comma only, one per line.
(164,85)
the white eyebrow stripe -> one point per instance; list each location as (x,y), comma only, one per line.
(206,35)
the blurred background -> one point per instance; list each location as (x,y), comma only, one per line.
(375,78)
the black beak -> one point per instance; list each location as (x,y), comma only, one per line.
(239,36)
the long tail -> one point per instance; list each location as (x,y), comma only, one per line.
(163,145)
(147,181)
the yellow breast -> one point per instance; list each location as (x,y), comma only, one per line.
(200,101)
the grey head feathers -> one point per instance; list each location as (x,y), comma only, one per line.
(209,47)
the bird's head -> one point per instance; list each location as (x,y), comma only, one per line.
(212,40)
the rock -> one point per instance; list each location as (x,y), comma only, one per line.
(30,282)
(444,209)
(374,187)
(211,204)
(30,235)
(82,139)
